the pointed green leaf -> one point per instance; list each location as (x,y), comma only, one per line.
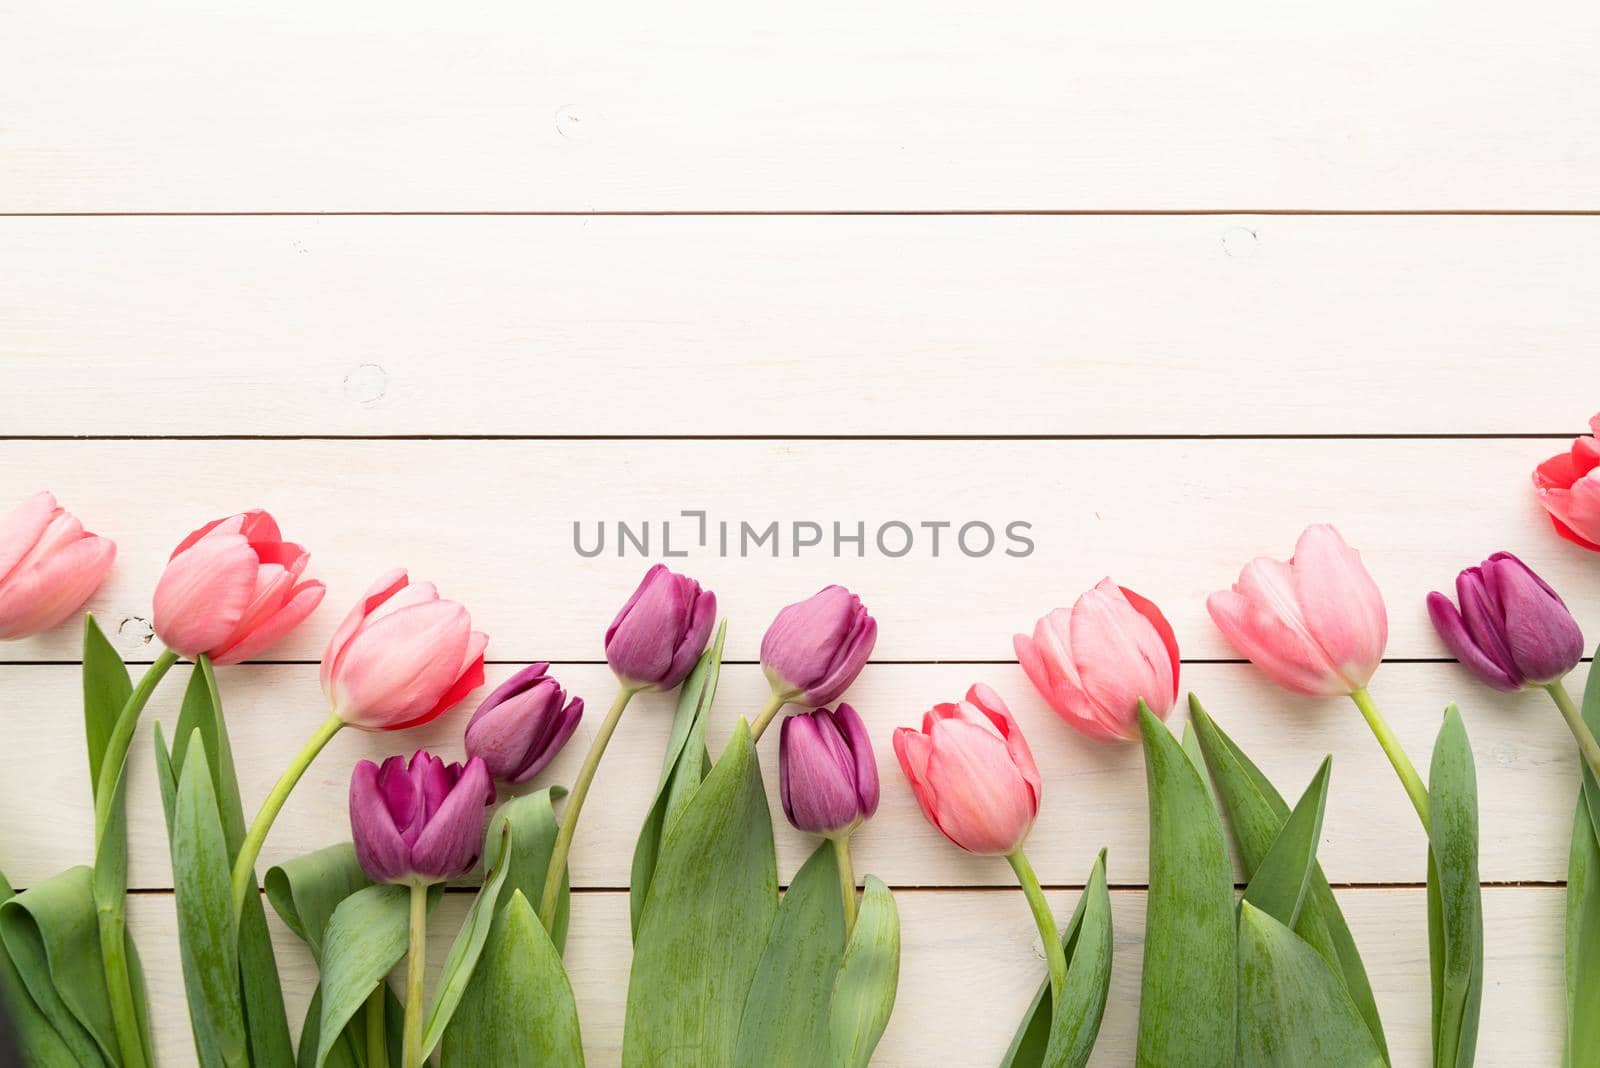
(1279,885)
(1582,1048)
(868,980)
(36,1036)
(528,825)
(365,938)
(1455,906)
(1293,1009)
(468,946)
(1186,1010)
(305,891)
(106,688)
(705,922)
(50,935)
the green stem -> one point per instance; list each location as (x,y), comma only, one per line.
(377,1033)
(773,706)
(1397,756)
(1054,954)
(116,754)
(1580,729)
(847,883)
(569,816)
(244,868)
(416,964)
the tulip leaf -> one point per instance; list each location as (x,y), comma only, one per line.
(365,938)
(1583,943)
(106,689)
(682,771)
(704,927)
(868,980)
(1293,1009)
(47,927)
(1455,904)
(523,981)
(1186,1009)
(468,946)
(36,1037)
(1279,885)
(1256,815)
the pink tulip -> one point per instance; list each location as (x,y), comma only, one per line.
(1569,488)
(1315,625)
(49,566)
(232,588)
(1094,663)
(402,657)
(972,773)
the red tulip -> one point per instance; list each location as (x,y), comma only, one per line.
(49,566)
(1569,488)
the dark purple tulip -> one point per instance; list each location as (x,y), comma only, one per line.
(522,725)
(817,647)
(662,630)
(1511,630)
(827,776)
(418,822)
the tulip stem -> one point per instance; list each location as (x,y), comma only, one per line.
(773,706)
(1054,953)
(847,882)
(569,817)
(1397,756)
(1580,730)
(244,868)
(416,965)
(377,1033)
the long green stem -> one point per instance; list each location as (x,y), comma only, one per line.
(1397,756)
(1054,954)
(116,754)
(1580,730)
(847,883)
(416,964)
(569,816)
(773,706)
(244,868)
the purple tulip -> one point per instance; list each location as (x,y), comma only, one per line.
(827,775)
(662,630)
(1511,630)
(522,725)
(817,647)
(419,822)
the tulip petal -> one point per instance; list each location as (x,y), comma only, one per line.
(203,592)
(553,743)
(383,854)
(1163,629)
(449,844)
(22,528)
(864,763)
(47,593)
(1453,632)
(1283,654)
(301,603)
(982,803)
(1544,639)
(1341,605)
(390,583)
(396,669)
(1482,616)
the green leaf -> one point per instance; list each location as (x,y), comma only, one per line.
(1186,1009)
(1279,885)
(786,1012)
(1293,1010)
(36,1036)
(1455,905)
(305,891)
(1256,815)
(365,938)
(468,946)
(869,977)
(530,825)
(705,922)
(50,934)
(1583,943)
(106,688)
(523,981)
(682,771)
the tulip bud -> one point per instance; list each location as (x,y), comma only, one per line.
(662,630)
(232,588)
(522,725)
(49,566)
(1511,629)
(972,773)
(827,775)
(402,657)
(1569,489)
(1314,624)
(1095,663)
(817,647)
(419,822)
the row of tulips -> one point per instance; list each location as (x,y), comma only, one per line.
(725,969)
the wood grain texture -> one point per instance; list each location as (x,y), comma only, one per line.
(804,326)
(178,106)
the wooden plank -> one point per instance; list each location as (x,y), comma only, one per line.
(897,325)
(176,106)
(1093,796)
(970,963)
(493,524)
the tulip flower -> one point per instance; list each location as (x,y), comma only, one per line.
(1094,663)
(232,588)
(1568,486)
(522,725)
(652,644)
(1316,625)
(49,566)
(814,650)
(974,777)
(1513,632)
(402,657)
(418,823)
(828,783)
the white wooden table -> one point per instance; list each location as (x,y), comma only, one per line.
(1167,283)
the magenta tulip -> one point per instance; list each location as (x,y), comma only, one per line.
(827,774)
(816,647)
(659,634)
(523,724)
(1511,629)
(49,566)
(418,822)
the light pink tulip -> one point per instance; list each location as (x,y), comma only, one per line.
(232,589)
(49,566)
(972,773)
(1094,663)
(1316,624)
(402,657)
